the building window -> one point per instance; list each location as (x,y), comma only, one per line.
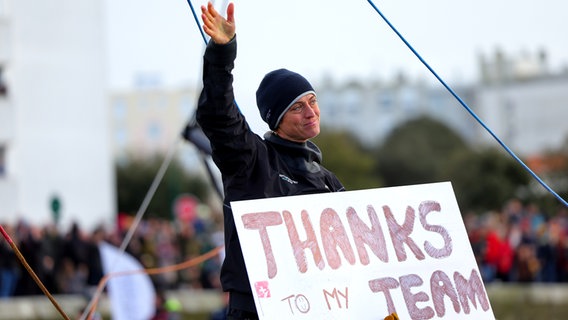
(120,109)
(327,104)
(121,137)
(409,100)
(2,161)
(353,102)
(154,131)
(161,101)
(386,101)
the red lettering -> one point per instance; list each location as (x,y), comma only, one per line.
(333,235)
(336,295)
(384,285)
(425,208)
(289,298)
(367,234)
(400,234)
(460,293)
(468,290)
(411,299)
(363,235)
(298,246)
(260,221)
(442,286)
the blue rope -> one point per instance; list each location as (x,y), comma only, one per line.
(197,21)
(467,108)
(203,35)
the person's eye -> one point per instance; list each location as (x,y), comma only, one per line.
(297,108)
(313,102)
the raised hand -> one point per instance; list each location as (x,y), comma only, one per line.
(220,30)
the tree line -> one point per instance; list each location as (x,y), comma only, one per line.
(422,150)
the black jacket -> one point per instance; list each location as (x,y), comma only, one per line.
(251,167)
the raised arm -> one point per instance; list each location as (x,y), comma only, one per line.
(232,141)
(220,30)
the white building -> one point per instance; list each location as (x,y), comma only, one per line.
(54,122)
(523,103)
(519,99)
(372,109)
(149,120)
(530,117)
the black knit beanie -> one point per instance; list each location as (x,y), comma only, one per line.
(278,90)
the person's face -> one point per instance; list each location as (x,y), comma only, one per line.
(302,121)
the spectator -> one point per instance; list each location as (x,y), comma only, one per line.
(9,267)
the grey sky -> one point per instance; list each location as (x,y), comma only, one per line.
(341,38)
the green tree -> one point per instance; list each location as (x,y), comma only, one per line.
(554,171)
(344,156)
(485,180)
(134,178)
(417,152)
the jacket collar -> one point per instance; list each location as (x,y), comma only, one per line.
(307,150)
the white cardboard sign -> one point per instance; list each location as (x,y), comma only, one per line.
(361,255)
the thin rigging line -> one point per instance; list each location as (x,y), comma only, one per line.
(202,33)
(197,21)
(467,108)
(151,271)
(145,203)
(149,195)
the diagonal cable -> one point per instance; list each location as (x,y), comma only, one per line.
(154,186)
(145,203)
(468,108)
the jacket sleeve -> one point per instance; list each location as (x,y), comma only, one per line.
(232,141)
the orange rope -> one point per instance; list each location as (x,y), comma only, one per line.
(32,273)
(186,264)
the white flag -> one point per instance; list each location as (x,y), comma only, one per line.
(132,297)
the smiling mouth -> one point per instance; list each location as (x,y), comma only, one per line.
(311,123)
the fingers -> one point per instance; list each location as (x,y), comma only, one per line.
(221,30)
(231,13)
(208,14)
(212,10)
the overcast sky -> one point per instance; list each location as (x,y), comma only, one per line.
(341,38)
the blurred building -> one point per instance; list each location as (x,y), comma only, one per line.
(523,102)
(518,98)
(55,154)
(149,119)
(372,109)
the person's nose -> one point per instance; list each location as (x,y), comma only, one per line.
(309,111)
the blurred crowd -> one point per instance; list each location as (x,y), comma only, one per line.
(520,243)
(516,244)
(68,261)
